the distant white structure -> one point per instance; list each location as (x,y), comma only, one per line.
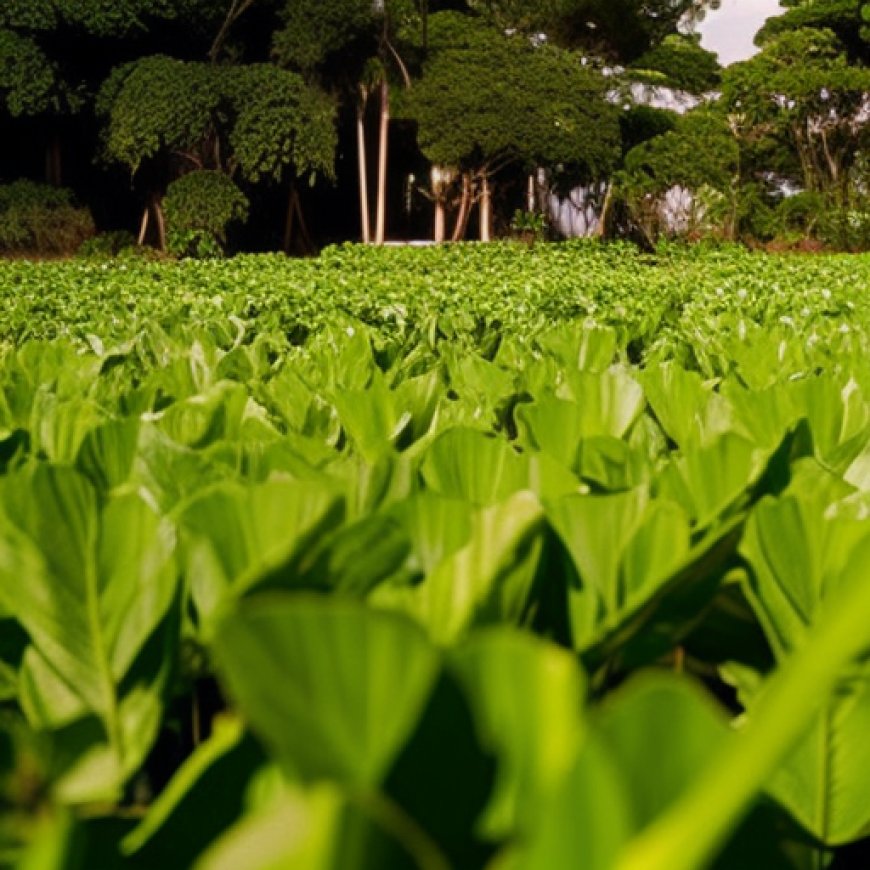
(578,215)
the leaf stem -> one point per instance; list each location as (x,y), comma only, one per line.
(687,836)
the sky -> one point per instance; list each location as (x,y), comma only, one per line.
(730,31)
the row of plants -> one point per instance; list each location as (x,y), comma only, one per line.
(681,303)
(437,587)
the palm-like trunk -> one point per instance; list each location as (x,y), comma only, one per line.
(464,209)
(383,149)
(365,221)
(485,209)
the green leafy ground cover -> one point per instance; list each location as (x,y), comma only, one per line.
(471,557)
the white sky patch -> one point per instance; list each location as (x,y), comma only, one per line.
(730,30)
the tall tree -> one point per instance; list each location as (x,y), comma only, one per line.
(803,92)
(351,47)
(487,101)
(256,121)
(620,30)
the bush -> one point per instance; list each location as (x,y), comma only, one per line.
(846,229)
(108,244)
(40,219)
(199,207)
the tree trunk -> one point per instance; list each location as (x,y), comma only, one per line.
(485,209)
(307,242)
(365,221)
(601,229)
(464,209)
(143,226)
(531,199)
(439,219)
(383,145)
(161,223)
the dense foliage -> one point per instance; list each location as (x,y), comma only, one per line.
(42,219)
(469,557)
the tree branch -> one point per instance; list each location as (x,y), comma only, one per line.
(236,10)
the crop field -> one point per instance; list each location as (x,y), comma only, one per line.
(471,557)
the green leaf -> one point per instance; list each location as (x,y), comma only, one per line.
(332,688)
(202,800)
(468,464)
(99,583)
(489,580)
(527,697)
(254,532)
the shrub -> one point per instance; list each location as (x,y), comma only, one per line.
(41,219)
(199,207)
(108,244)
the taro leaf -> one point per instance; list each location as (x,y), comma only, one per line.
(489,580)
(436,526)
(839,418)
(323,829)
(254,531)
(107,453)
(763,416)
(353,560)
(468,464)
(303,411)
(659,729)
(651,627)
(590,349)
(552,425)
(611,464)
(609,402)
(527,698)
(169,472)
(371,418)
(332,688)
(420,397)
(690,832)
(98,585)
(59,426)
(299,831)
(712,480)
(586,823)
(686,408)
(203,419)
(798,550)
(623,547)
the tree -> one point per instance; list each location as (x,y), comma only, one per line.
(842,17)
(681,63)
(255,120)
(698,162)
(803,92)
(487,101)
(619,30)
(350,47)
(54,54)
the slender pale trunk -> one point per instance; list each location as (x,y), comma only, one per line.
(531,199)
(439,219)
(601,229)
(485,210)
(464,209)
(383,145)
(363,169)
(143,226)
